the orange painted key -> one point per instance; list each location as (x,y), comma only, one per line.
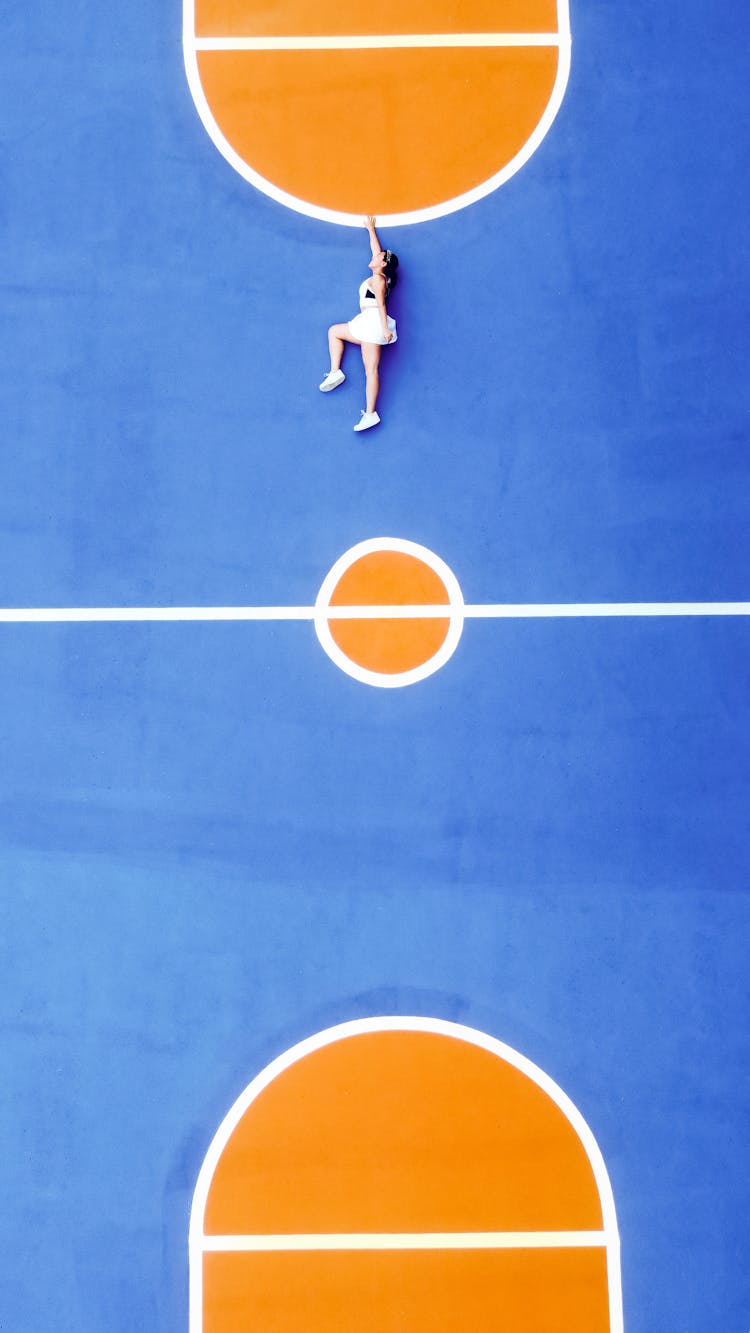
(402,1173)
(408,110)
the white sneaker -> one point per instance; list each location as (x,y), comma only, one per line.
(332,380)
(366,420)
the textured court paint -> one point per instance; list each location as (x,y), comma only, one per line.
(361,625)
(276,112)
(389,578)
(213,843)
(545,1290)
(237,17)
(416,1126)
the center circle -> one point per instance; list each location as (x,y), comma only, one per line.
(389,612)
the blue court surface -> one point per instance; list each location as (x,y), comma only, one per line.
(215,843)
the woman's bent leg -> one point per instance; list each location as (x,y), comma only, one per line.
(338,334)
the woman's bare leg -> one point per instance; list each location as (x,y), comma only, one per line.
(338,334)
(371,358)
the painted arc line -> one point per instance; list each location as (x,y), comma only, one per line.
(438,1240)
(402,216)
(378,42)
(199,1261)
(443,611)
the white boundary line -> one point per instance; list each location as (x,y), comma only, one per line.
(199,1242)
(190,55)
(403,1240)
(378,42)
(78,615)
(454,610)
(126,614)
(553,610)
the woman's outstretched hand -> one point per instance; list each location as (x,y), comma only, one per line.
(370,222)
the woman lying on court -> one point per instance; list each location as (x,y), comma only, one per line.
(371,329)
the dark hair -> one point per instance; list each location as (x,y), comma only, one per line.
(391,265)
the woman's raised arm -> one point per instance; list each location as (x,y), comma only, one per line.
(375,245)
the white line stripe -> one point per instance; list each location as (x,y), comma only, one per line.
(443,611)
(512,611)
(87,614)
(486,611)
(378,41)
(437,1240)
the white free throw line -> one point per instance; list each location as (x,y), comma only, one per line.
(377,41)
(481,611)
(437,1240)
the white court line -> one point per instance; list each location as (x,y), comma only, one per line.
(380,41)
(92,614)
(477,611)
(435,1240)
(544,610)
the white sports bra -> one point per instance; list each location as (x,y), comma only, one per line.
(367,298)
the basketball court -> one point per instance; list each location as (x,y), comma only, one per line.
(374,856)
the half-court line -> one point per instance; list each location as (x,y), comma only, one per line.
(440,611)
(551,610)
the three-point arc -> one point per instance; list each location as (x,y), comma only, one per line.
(456,98)
(396,1173)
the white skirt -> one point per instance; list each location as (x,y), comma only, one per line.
(367,328)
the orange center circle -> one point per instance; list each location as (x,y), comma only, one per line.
(389,645)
